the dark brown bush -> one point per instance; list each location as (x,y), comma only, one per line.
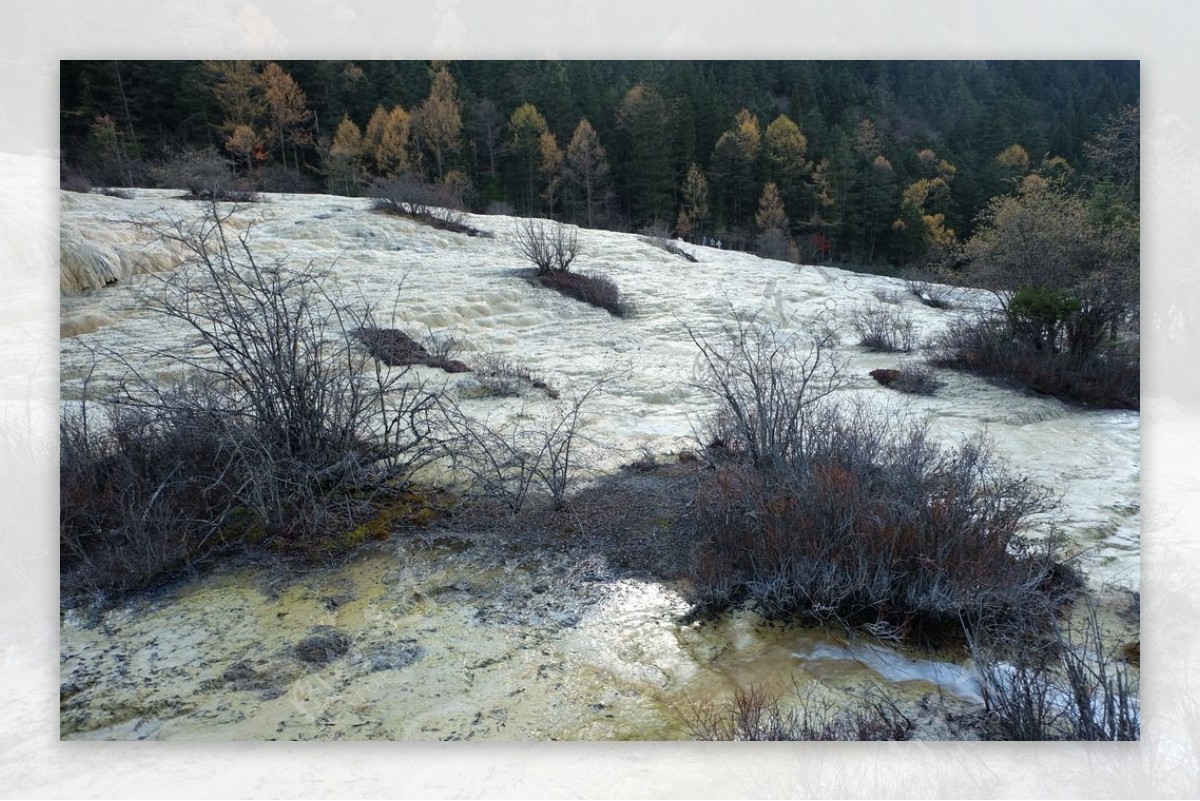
(849,512)
(913,379)
(1107,377)
(394,348)
(592,288)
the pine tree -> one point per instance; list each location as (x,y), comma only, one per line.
(525,129)
(486,125)
(879,201)
(732,166)
(108,150)
(645,122)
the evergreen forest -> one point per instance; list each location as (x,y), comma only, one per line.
(882,164)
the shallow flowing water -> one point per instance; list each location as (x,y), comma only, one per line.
(433,639)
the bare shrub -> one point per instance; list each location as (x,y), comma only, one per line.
(411,194)
(73,179)
(551,246)
(916,378)
(658,234)
(924,287)
(774,244)
(437,205)
(883,328)
(754,715)
(766,381)
(442,348)
(646,462)
(203,172)
(535,450)
(142,493)
(850,512)
(1065,685)
(308,426)
(505,376)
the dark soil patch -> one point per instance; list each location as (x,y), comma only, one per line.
(322,646)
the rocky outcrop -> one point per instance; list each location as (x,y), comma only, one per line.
(88,262)
(84,265)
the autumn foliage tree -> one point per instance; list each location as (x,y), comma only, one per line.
(772,223)
(923,205)
(344,165)
(785,148)
(244,143)
(240,94)
(437,122)
(693,209)
(288,110)
(1013,161)
(386,142)
(550,168)
(586,168)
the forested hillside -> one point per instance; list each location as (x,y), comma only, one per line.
(845,161)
